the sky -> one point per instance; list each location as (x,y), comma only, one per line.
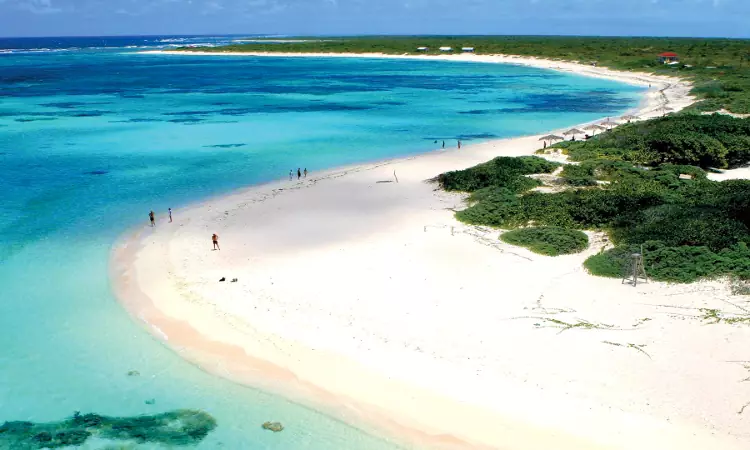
(716,18)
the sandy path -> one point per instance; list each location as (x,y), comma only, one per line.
(365,298)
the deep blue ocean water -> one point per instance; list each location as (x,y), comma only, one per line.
(93,135)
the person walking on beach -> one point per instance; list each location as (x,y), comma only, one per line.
(151,218)
(443,144)
(299,173)
(305,172)
(170,215)
(290,175)
(459,144)
(215,240)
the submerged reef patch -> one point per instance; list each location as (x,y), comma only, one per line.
(174,428)
(225,146)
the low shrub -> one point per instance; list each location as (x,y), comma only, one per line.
(502,171)
(551,241)
(579,175)
(677,225)
(682,264)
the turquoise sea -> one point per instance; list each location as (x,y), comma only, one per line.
(93,135)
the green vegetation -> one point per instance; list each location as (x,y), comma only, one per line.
(503,171)
(719,68)
(636,347)
(715,316)
(636,185)
(705,141)
(174,428)
(276,427)
(550,241)
(682,263)
(579,174)
(582,324)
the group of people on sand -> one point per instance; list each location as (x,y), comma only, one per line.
(458,143)
(300,174)
(152,218)
(214,237)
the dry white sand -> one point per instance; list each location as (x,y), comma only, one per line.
(365,298)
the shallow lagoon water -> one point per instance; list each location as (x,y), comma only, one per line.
(91,139)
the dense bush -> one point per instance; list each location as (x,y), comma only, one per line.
(551,241)
(707,141)
(503,171)
(690,227)
(674,225)
(682,264)
(579,175)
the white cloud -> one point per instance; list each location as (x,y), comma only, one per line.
(212,7)
(34,6)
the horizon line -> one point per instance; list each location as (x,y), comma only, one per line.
(376,35)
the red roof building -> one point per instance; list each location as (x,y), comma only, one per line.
(669,58)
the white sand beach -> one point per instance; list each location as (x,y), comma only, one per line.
(360,294)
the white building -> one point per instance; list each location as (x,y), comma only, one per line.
(423,49)
(446,49)
(468,49)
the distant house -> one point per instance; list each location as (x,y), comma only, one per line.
(669,58)
(446,49)
(423,49)
(468,49)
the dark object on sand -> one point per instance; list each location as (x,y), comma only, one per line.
(182,427)
(223,279)
(234,280)
(273,426)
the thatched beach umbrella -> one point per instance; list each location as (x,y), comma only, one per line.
(629,118)
(609,123)
(594,128)
(551,138)
(573,132)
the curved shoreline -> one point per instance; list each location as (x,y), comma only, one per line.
(221,341)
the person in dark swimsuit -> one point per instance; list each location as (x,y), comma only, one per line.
(299,174)
(215,240)
(151,218)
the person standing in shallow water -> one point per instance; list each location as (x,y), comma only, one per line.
(305,172)
(290,175)
(151,218)
(459,144)
(170,215)
(299,173)
(215,240)
(443,144)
